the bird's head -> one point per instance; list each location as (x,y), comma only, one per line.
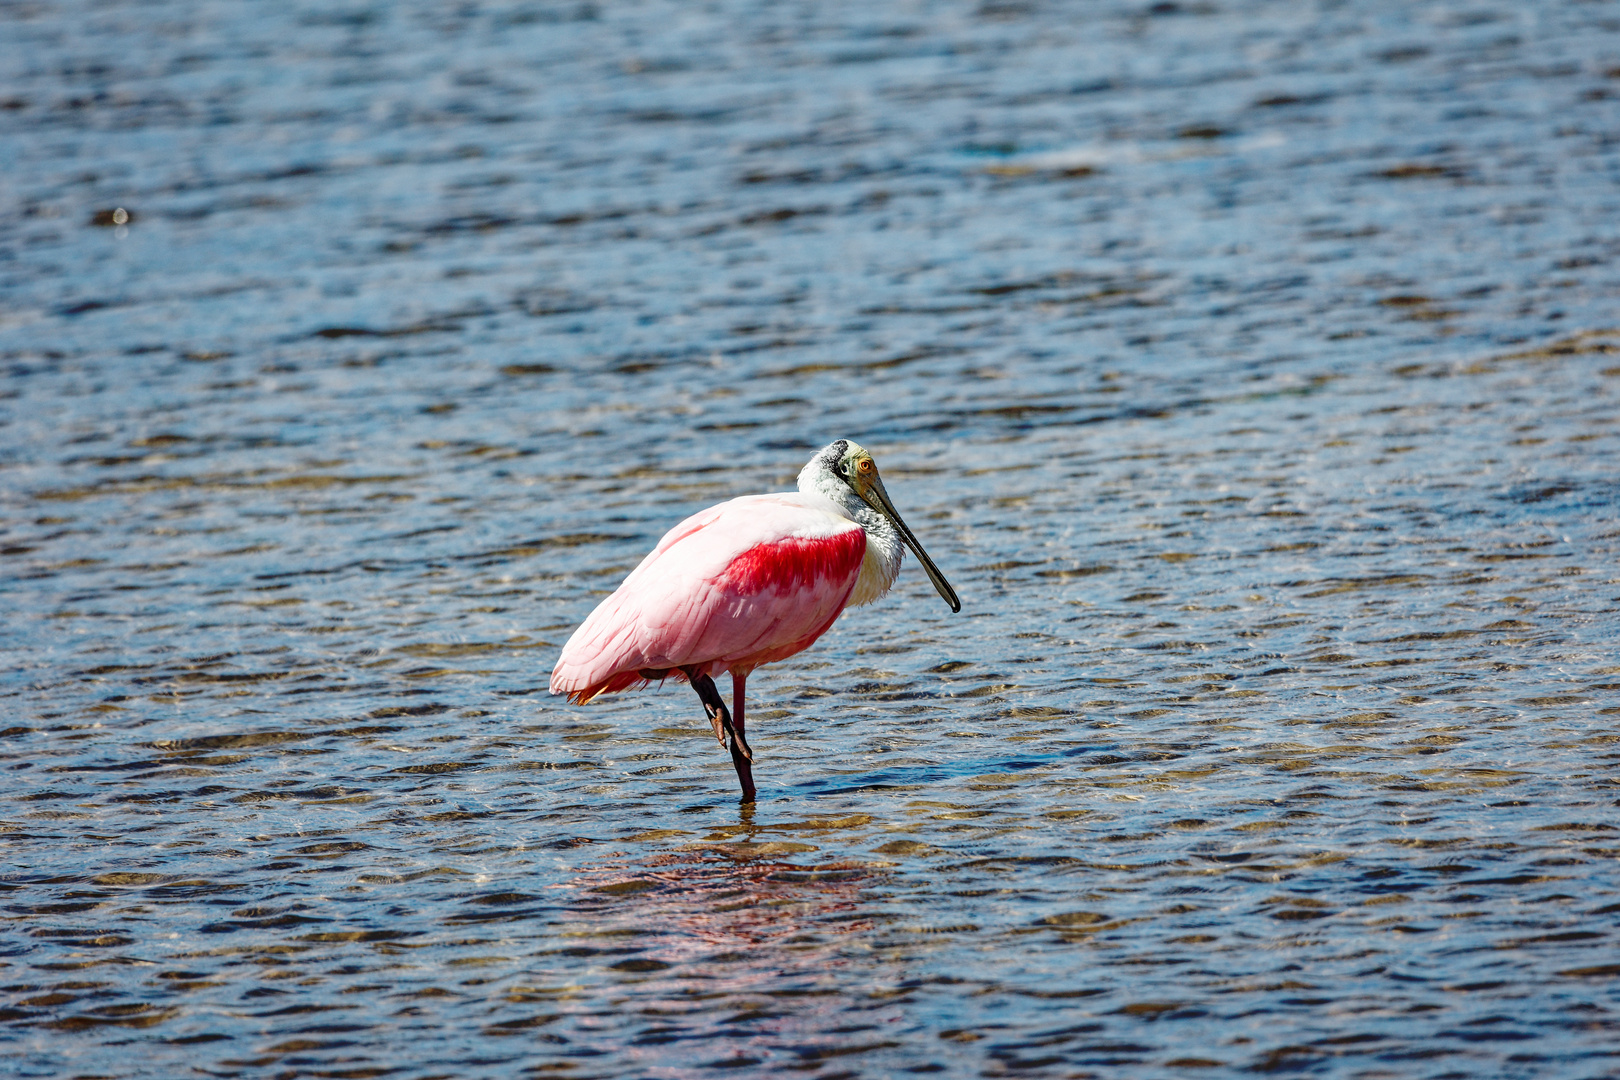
(847,465)
(856,468)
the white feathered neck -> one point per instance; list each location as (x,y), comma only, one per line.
(884,548)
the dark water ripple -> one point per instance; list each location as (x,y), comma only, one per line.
(1251,369)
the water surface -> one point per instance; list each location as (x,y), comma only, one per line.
(1250,369)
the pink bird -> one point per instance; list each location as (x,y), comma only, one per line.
(742,584)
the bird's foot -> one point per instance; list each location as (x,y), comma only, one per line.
(723,727)
(739,744)
(713,706)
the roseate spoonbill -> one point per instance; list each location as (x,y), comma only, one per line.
(742,584)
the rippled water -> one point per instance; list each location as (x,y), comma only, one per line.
(1250,368)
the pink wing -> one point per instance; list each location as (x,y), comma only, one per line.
(738,585)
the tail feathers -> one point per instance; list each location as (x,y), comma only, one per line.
(619,680)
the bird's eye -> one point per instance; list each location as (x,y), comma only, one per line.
(865,467)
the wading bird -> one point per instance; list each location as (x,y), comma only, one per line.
(742,584)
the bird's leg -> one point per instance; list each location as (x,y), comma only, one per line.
(725,724)
(715,708)
(740,740)
(741,757)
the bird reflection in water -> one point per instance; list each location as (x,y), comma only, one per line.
(733,891)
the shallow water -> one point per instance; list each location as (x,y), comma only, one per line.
(1250,370)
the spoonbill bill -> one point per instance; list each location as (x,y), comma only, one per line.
(744,583)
